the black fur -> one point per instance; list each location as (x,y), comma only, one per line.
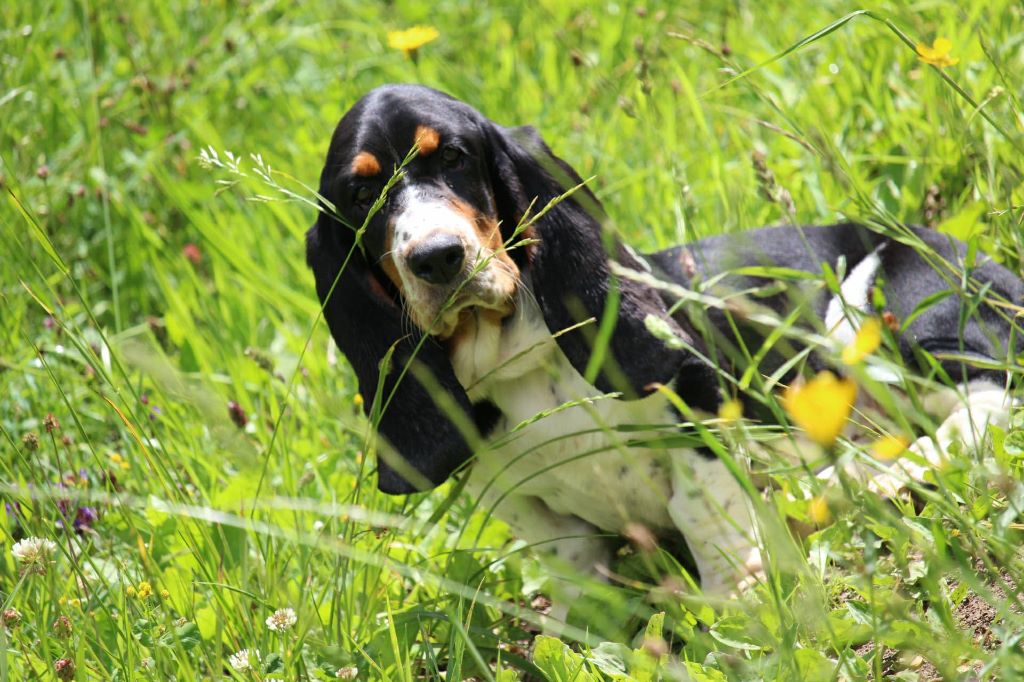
(907,275)
(366,327)
(569,269)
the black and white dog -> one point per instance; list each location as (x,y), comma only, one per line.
(470,275)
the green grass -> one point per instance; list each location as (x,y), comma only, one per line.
(141,293)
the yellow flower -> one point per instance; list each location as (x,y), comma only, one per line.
(889,447)
(821,406)
(818,511)
(358,400)
(867,341)
(119,461)
(411,39)
(145,590)
(164,594)
(130,591)
(938,53)
(730,410)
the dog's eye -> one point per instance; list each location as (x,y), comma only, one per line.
(363,195)
(452,157)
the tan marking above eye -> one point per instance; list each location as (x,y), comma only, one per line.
(365,165)
(427,139)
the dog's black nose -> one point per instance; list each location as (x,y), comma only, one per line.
(437,259)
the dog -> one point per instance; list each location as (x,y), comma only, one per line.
(499,330)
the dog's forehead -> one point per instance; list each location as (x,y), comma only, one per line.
(390,121)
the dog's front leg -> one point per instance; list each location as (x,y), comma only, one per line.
(982,403)
(711,510)
(571,549)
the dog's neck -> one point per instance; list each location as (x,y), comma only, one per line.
(491,350)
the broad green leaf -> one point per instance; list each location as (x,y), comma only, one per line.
(559,663)
(962,224)
(733,631)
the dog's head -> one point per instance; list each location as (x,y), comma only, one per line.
(449,237)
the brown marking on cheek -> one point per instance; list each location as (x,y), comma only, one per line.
(365,165)
(488,232)
(387,263)
(427,139)
(378,290)
(388,266)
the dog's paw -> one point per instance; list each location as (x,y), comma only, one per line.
(735,581)
(748,583)
(924,457)
(964,430)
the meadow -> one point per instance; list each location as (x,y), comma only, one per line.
(176,421)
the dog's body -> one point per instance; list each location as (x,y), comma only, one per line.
(569,433)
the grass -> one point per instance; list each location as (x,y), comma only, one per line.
(169,324)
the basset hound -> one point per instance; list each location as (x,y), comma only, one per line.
(526,347)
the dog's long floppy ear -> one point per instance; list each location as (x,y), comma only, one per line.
(570,273)
(366,323)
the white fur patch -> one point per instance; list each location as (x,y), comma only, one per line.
(419,218)
(853,295)
(970,412)
(560,447)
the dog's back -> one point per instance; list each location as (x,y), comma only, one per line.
(936,302)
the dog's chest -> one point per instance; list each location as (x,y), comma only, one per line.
(559,439)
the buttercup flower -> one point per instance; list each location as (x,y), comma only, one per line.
(938,53)
(731,410)
(818,511)
(145,590)
(867,341)
(34,553)
(242,660)
(821,406)
(411,39)
(889,447)
(281,620)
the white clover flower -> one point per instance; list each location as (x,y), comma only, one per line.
(34,553)
(348,673)
(282,619)
(242,660)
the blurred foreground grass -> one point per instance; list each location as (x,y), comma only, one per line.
(203,466)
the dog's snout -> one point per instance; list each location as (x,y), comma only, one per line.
(437,259)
